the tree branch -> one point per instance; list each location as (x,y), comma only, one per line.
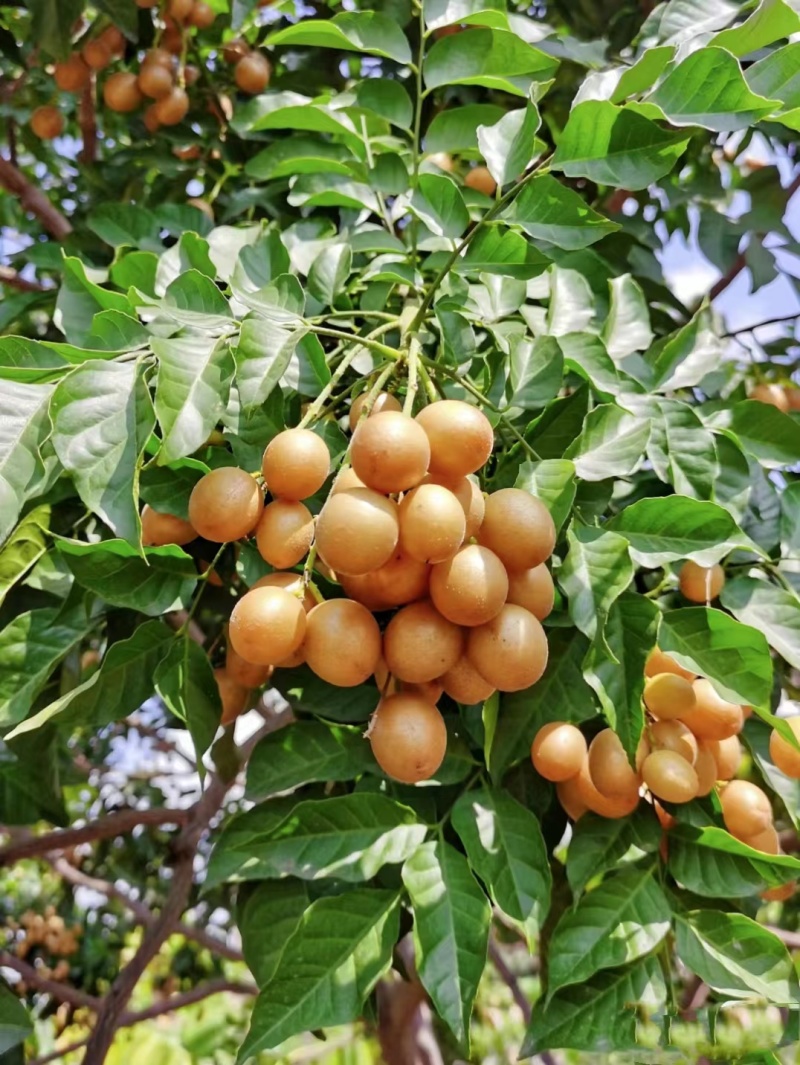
(510,980)
(758,325)
(116,824)
(33,200)
(13,280)
(54,988)
(87,120)
(59,1055)
(187,998)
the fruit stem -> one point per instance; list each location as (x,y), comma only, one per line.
(308,568)
(202,580)
(413,377)
(427,381)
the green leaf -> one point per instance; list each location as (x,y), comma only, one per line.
(168,488)
(505,848)
(440,205)
(126,225)
(451,930)
(736,956)
(52,22)
(185,681)
(193,300)
(387,98)
(495,59)
(194,378)
(262,356)
(509,144)
(24,547)
(123,682)
(614,666)
(297,155)
(667,528)
(682,450)
(644,72)
(769,609)
(771,20)
(734,657)
(439,13)
(596,571)
(572,303)
(162,580)
(15,1024)
(685,357)
(338,952)
(588,937)
(552,481)
(349,837)
(765,432)
(499,250)
(523,713)
(708,89)
(303,752)
(611,443)
(102,418)
(757,736)
(306,691)
(549,211)
(587,355)
(627,328)
(363,31)
(24,427)
(267,916)
(599,844)
(29,361)
(599,1013)
(79,300)
(329,273)
(710,862)
(615,146)
(778,75)
(536,370)
(456,128)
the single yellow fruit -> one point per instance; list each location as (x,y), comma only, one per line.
(480,179)
(252,73)
(47,122)
(510,651)
(465,684)
(357,531)
(670,777)
(267,625)
(420,645)
(518,528)
(666,696)
(121,92)
(225,504)
(470,588)
(342,643)
(383,401)
(408,738)
(296,464)
(712,717)
(558,751)
(610,770)
(432,523)
(461,437)
(727,755)
(674,736)
(72,75)
(701,584)
(284,533)
(603,805)
(533,589)
(746,809)
(390,452)
(159,529)
(783,754)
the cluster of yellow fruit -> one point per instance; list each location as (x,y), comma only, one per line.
(784,397)
(403,529)
(46,932)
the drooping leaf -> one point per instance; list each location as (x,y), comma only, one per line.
(262,356)
(549,211)
(536,369)
(665,529)
(267,916)
(24,547)
(440,205)
(712,863)
(509,144)
(627,328)
(765,432)
(769,609)
(597,569)
(495,59)
(329,272)
(185,681)
(351,31)
(611,444)
(600,843)
(303,752)
(24,427)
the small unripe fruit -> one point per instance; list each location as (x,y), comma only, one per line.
(245,673)
(342,643)
(180,10)
(172,108)
(609,768)
(461,437)
(518,528)
(390,452)
(252,73)
(357,531)
(284,533)
(408,738)
(558,751)
(668,696)
(783,754)
(533,589)
(674,736)
(225,504)
(470,588)
(480,179)
(399,581)
(670,777)
(727,755)
(159,529)
(296,464)
(609,806)
(712,717)
(267,625)
(96,54)
(701,584)
(420,645)
(465,684)
(510,651)
(47,122)
(432,523)
(746,810)
(659,662)
(156,80)
(774,395)
(383,401)
(121,92)
(72,75)
(233,696)
(202,15)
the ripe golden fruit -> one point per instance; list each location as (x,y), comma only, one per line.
(150,118)
(191,75)
(727,755)
(470,588)
(518,528)
(357,531)
(408,737)
(766,841)
(234,50)
(114,39)
(432,523)
(267,625)
(390,452)
(612,807)
(161,57)
(780,894)
(234,696)
(252,73)
(346,479)
(179,10)
(284,533)
(746,810)
(202,15)
(159,528)
(569,795)
(420,645)
(701,584)
(774,395)
(441,159)
(399,581)
(670,777)
(659,662)
(674,736)
(342,643)
(225,504)
(172,39)
(248,674)
(558,751)
(461,437)
(533,589)
(783,754)
(47,122)
(156,80)
(667,696)
(72,75)
(465,684)
(510,651)
(296,464)
(792,394)
(469,496)
(293,583)
(383,401)
(172,108)
(121,92)
(712,717)
(609,768)
(706,768)
(480,179)
(296,658)
(96,54)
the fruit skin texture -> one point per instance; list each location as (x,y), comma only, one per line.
(47,122)
(202,15)
(712,717)
(766,841)
(432,523)
(533,589)
(267,625)
(390,452)
(480,179)
(746,809)
(292,582)
(558,751)
(465,684)
(668,696)
(408,738)
(774,395)
(342,643)
(469,496)
(252,73)
(296,464)
(383,401)
(470,588)
(609,767)
(225,504)
(660,662)
(701,584)
(518,528)
(345,480)
(399,581)
(674,736)
(705,766)
(727,755)
(159,529)
(604,805)
(173,107)
(461,437)
(72,74)
(420,645)
(234,696)
(155,79)
(670,777)
(247,674)
(121,92)
(284,533)
(783,754)
(96,54)
(569,795)
(357,531)
(510,651)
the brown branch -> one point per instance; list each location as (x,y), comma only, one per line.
(791,939)
(34,200)
(87,120)
(187,998)
(116,824)
(510,980)
(54,988)
(13,280)
(59,1055)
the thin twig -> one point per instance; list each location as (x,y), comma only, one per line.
(187,998)
(87,119)
(758,325)
(510,980)
(54,988)
(791,939)
(59,1055)
(34,200)
(13,280)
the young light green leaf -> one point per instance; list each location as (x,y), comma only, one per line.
(600,843)
(712,863)
(329,272)
(349,31)
(451,931)
(262,356)
(495,59)
(24,427)
(667,528)
(552,481)
(771,20)
(267,916)
(456,128)
(536,370)
(765,432)
(627,328)
(611,444)
(597,569)
(768,608)
(185,681)
(440,205)
(509,144)
(549,211)
(24,547)
(303,752)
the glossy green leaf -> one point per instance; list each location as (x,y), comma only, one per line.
(509,144)
(15,1024)
(597,569)
(587,355)
(298,155)
(599,844)
(766,432)
(27,544)
(611,444)
(185,681)
(168,488)
(552,481)
(439,13)
(549,211)
(80,299)
(362,31)
(126,225)
(262,356)
(682,449)
(440,205)
(777,75)
(536,369)
(52,22)
(267,916)
(627,328)
(711,863)
(303,752)
(669,528)
(329,272)
(572,302)
(306,691)
(456,129)
(768,608)
(685,357)
(387,98)
(771,20)
(494,59)
(24,427)
(756,737)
